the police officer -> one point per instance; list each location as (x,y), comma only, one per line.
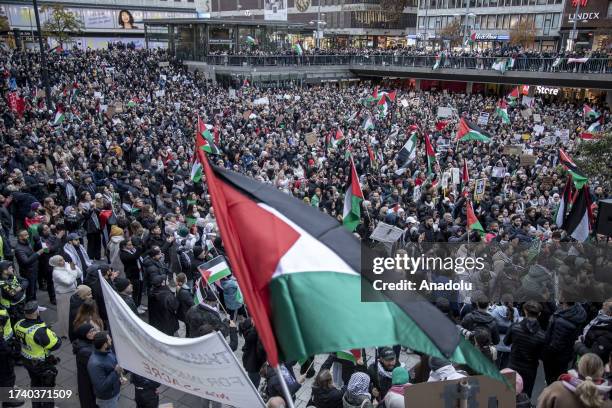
(7,368)
(37,341)
(12,291)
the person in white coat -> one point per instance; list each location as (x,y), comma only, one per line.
(116,236)
(65,277)
(442,370)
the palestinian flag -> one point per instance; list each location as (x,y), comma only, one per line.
(589,113)
(465,178)
(196,172)
(368,124)
(299,272)
(132,102)
(589,136)
(391,95)
(383,106)
(502,111)
(298,49)
(564,203)
(375,94)
(349,355)
(439,60)
(596,125)
(500,65)
(214,270)
(441,125)
(577,175)
(577,223)
(57,50)
(204,140)
(75,93)
(198,297)
(59,116)
(557,62)
(337,139)
(469,131)
(351,215)
(372,157)
(472,221)
(407,153)
(431,156)
(250,40)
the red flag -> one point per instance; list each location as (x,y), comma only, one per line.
(441,125)
(375,93)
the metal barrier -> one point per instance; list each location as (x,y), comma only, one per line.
(533,64)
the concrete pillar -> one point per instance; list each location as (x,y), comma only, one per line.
(609,98)
(468,87)
(417,84)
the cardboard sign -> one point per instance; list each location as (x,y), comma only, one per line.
(386,233)
(444,112)
(455,174)
(232,93)
(513,149)
(311,138)
(538,129)
(537,118)
(527,160)
(163,64)
(526,113)
(483,119)
(40,93)
(547,182)
(479,190)
(482,391)
(404,103)
(498,172)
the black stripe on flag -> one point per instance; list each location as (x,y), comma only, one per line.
(440,330)
(577,213)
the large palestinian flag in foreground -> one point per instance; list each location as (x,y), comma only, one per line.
(469,131)
(299,271)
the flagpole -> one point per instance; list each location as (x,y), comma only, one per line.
(287,394)
(214,291)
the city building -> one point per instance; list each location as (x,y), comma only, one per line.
(593,24)
(104,21)
(489,22)
(359,23)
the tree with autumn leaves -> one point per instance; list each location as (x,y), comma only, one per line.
(523,34)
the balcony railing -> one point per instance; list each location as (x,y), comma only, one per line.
(534,64)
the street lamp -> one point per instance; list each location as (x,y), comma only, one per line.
(320,25)
(467,15)
(43,57)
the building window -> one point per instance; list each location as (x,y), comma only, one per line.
(555,23)
(610,9)
(539,20)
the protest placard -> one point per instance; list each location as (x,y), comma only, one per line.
(538,129)
(513,149)
(444,112)
(386,233)
(483,119)
(311,138)
(527,160)
(162,64)
(203,366)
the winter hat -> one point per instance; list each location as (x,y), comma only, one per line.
(519,379)
(197,250)
(55,261)
(121,284)
(72,236)
(183,231)
(81,331)
(400,376)
(100,339)
(116,231)
(34,206)
(436,363)
(83,291)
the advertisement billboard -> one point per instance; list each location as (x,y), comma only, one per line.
(275,10)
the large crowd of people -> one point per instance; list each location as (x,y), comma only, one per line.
(100,181)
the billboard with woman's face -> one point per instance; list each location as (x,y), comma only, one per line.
(125,20)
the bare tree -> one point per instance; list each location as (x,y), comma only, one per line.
(61,23)
(523,34)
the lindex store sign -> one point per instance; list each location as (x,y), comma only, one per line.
(591,14)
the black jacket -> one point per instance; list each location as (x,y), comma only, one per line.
(185,299)
(152,268)
(527,339)
(200,314)
(83,350)
(129,300)
(563,329)
(326,397)
(93,282)
(348,367)
(130,264)
(480,319)
(75,303)
(163,307)
(253,352)
(598,338)
(27,259)
(380,382)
